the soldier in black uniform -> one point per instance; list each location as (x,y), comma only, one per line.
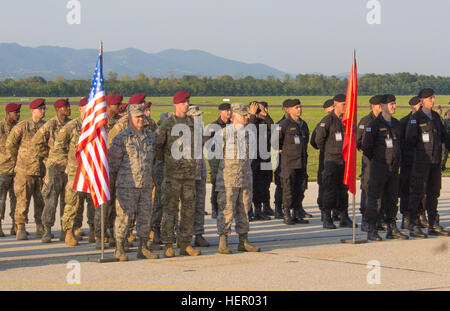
(382,147)
(262,176)
(294,137)
(425,134)
(375,106)
(405,171)
(278,190)
(222,121)
(328,107)
(330,138)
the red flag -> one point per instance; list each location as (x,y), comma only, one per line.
(349,121)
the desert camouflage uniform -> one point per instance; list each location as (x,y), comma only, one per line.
(6,172)
(158,173)
(29,170)
(55,178)
(234,186)
(130,164)
(178,184)
(200,195)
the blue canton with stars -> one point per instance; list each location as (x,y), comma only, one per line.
(97,81)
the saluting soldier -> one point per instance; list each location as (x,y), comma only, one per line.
(7,165)
(329,138)
(29,170)
(130,163)
(382,147)
(425,135)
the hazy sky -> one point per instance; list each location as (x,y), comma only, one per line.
(294,36)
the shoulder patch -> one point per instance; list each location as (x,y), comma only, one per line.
(413,121)
(368,129)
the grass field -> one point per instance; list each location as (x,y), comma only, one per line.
(312,115)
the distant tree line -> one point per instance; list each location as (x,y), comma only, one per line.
(301,85)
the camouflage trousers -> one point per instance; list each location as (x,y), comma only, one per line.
(90,210)
(130,201)
(199,214)
(25,187)
(234,203)
(71,200)
(54,188)
(157,206)
(7,187)
(173,191)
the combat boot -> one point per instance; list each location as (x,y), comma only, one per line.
(91,238)
(143,252)
(157,236)
(304,213)
(78,232)
(335,215)
(298,217)
(259,215)
(1,230)
(416,232)
(187,249)
(381,225)
(47,237)
(21,233)
(70,238)
(394,233)
(267,210)
(287,219)
(120,251)
(372,234)
(169,252)
(405,221)
(39,230)
(244,246)
(327,220)
(200,241)
(345,221)
(131,236)
(278,212)
(223,245)
(423,222)
(436,229)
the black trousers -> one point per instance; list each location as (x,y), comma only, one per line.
(335,195)
(382,191)
(293,185)
(405,176)
(278,189)
(365,176)
(261,183)
(425,181)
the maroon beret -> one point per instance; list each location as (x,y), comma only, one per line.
(37,103)
(113,99)
(61,103)
(147,105)
(83,102)
(136,99)
(123,107)
(11,107)
(180,97)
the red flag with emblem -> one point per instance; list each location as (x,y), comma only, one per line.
(349,121)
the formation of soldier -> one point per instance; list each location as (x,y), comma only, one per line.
(163,195)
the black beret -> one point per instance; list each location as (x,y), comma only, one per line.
(376,100)
(414,101)
(387,98)
(425,93)
(328,103)
(291,103)
(224,106)
(339,98)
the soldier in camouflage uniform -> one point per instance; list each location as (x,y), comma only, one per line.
(234,182)
(29,170)
(85,198)
(55,178)
(200,184)
(65,146)
(7,165)
(130,164)
(179,182)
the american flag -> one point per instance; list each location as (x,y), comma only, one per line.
(92,156)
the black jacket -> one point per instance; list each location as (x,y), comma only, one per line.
(257,121)
(330,138)
(294,155)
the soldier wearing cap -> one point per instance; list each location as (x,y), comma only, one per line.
(222,121)
(179,177)
(200,182)
(130,164)
(234,181)
(29,170)
(64,153)
(7,165)
(293,145)
(327,107)
(329,138)
(425,135)
(55,177)
(375,106)
(382,147)
(261,166)
(405,171)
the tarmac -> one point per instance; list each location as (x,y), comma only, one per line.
(293,258)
